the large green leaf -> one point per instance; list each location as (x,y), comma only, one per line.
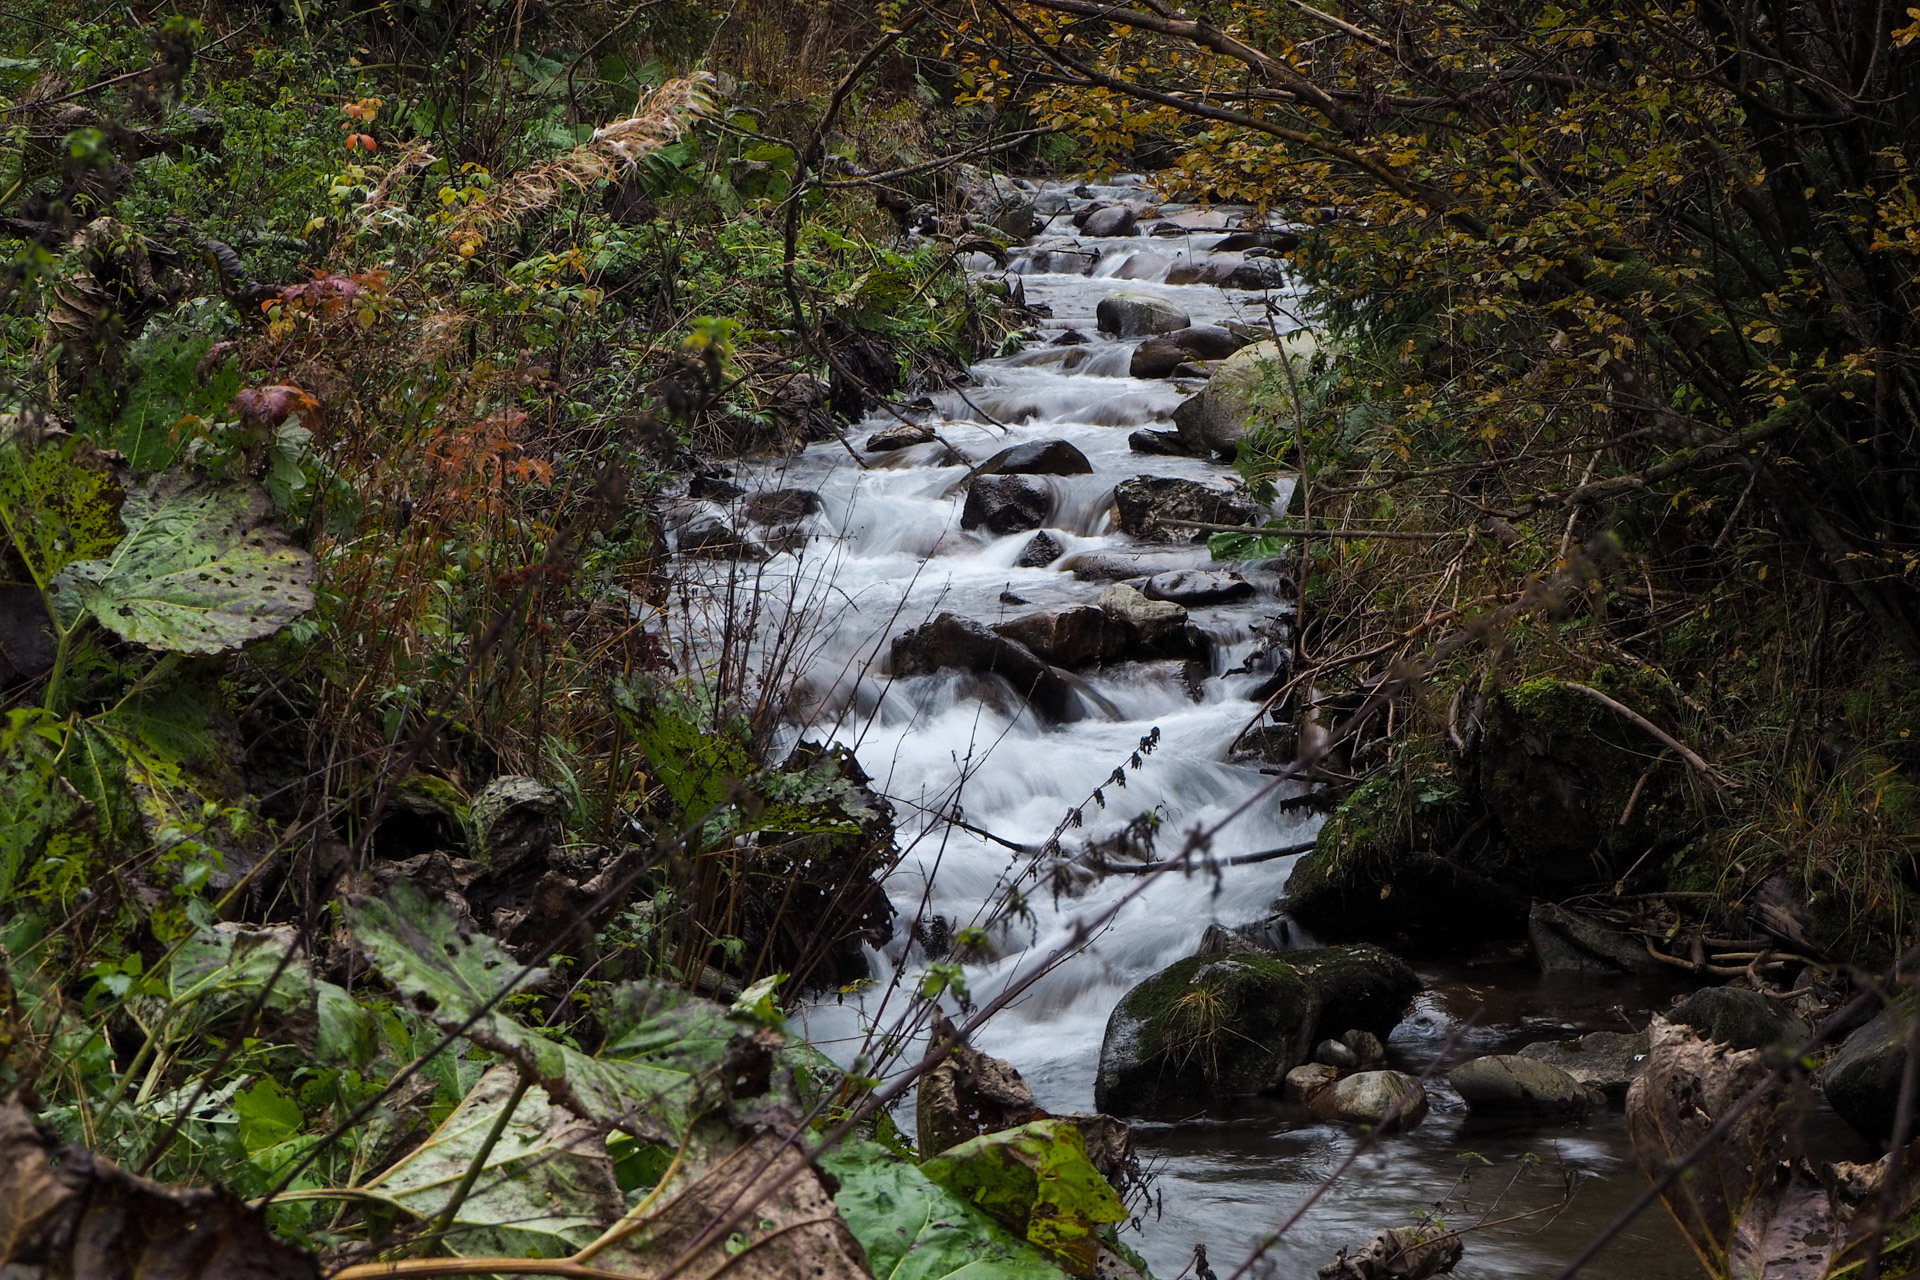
(545,1189)
(416,944)
(56,505)
(1035,1179)
(41,814)
(912,1228)
(224,968)
(200,571)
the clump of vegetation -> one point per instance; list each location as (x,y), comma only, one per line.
(366,814)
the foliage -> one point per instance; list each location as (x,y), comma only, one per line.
(913,1228)
(1035,1179)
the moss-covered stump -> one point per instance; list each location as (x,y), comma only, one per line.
(1215,1027)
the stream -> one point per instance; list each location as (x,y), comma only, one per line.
(886,552)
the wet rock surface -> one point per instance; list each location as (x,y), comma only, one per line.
(1392,1100)
(1605,1060)
(1211,1028)
(1006,504)
(1512,1085)
(1161,354)
(1137,315)
(903,436)
(1197,587)
(1862,1080)
(1038,458)
(1738,1018)
(1152,507)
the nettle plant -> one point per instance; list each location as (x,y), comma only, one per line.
(118,597)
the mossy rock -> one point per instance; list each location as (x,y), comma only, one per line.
(1358,988)
(1556,769)
(1211,1028)
(1403,858)
(1207,1027)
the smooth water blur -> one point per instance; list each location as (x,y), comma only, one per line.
(887,554)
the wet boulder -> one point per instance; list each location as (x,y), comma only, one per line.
(1257,273)
(1131,314)
(1155,628)
(781,506)
(1862,1079)
(1208,1027)
(1149,506)
(1161,354)
(953,643)
(968,1093)
(1332,1053)
(1737,1017)
(1073,637)
(1249,387)
(1509,1084)
(1112,220)
(711,538)
(1376,870)
(1006,504)
(1604,1060)
(1360,988)
(1159,444)
(713,488)
(1038,458)
(994,199)
(1220,1026)
(1197,587)
(1568,942)
(1389,1100)
(1307,1080)
(1041,550)
(904,436)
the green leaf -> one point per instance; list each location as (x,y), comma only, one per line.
(1037,1180)
(1244,546)
(55,506)
(198,572)
(544,1189)
(41,813)
(418,948)
(267,1115)
(224,968)
(912,1228)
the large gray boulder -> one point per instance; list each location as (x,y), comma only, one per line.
(1567,942)
(1214,1027)
(1006,504)
(1112,220)
(1392,1100)
(1156,628)
(1131,314)
(1038,458)
(1508,1084)
(1604,1060)
(1072,637)
(1148,505)
(1217,419)
(953,643)
(1862,1079)
(1161,354)
(994,199)
(1197,587)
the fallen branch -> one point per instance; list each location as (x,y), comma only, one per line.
(1715,776)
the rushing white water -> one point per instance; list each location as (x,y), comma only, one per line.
(886,554)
